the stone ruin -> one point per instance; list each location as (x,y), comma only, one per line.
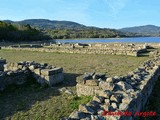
(96,48)
(116,94)
(155,53)
(19,73)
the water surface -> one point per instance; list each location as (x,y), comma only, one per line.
(113,40)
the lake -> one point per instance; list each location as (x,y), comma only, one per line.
(113,40)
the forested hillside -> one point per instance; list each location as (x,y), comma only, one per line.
(16,32)
(68,29)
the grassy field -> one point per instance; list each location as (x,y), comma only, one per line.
(31,101)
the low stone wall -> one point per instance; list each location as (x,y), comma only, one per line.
(155,53)
(118,94)
(115,49)
(17,77)
(21,71)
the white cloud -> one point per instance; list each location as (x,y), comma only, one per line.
(116,5)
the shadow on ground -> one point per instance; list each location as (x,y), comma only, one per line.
(21,98)
(153,103)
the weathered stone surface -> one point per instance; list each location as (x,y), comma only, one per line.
(69,92)
(116,98)
(110,80)
(88,76)
(106,85)
(86,109)
(86,90)
(99,76)
(114,105)
(54,79)
(123,85)
(19,73)
(91,82)
(123,106)
(32,67)
(98,99)
(105,107)
(77,115)
(107,102)
(104,93)
(94,105)
(51,71)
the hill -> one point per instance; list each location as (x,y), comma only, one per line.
(49,24)
(15,33)
(148,30)
(68,29)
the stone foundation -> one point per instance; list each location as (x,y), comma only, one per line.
(18,73)
(114,49)
(118,94)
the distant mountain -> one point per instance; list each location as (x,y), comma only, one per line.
(150,30)
(49,24)
(68,29)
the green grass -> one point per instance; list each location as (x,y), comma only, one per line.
(31,101)
(76,101)
(79,63)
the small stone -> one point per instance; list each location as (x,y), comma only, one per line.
(77,115)
(114,105)
(127,99)
(69,92)
(98,99)
(86,109)
(116,98)
(100,111)
(88,76)
(107,102)
(62,89)
(123,86)
(99,76)
(123,106)
(105,93)
(110,79)
(106,85)
(32,67)
(93,104)
(105,107)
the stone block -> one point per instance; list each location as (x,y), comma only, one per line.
(86,90)
(54,79)
(51,71)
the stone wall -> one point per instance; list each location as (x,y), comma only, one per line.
(16,77)
(118,94)
(115,49)
(18,73)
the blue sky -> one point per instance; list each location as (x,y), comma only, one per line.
(100,13)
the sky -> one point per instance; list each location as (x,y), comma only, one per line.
(99,13)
